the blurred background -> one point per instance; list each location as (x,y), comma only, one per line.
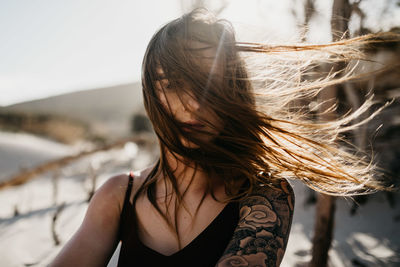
(71,115)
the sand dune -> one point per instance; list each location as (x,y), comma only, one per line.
(19,150)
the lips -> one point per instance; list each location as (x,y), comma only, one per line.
(192,125)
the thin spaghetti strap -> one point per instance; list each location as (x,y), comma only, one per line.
(129,189)
(123,215)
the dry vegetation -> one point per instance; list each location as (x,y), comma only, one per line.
(58,128)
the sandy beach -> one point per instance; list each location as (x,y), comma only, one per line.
(28,234)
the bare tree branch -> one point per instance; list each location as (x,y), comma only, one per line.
(30,174)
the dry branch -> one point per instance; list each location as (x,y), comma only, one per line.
(53,224)
(30,174)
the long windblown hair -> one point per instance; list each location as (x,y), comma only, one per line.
(264,132)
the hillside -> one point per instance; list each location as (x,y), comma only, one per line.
(108,110)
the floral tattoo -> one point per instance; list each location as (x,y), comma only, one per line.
(262,233)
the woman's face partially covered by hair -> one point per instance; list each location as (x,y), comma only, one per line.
(186,104)
(194,85)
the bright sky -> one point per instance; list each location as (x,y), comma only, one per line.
(49,47)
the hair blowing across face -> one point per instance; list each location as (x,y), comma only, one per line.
(249,87)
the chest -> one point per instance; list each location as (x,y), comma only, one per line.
(189,222)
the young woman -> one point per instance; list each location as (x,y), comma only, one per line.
(229,137)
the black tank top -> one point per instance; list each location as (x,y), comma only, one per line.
(204,251)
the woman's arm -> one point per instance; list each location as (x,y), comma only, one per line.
(95,241)
(262,233)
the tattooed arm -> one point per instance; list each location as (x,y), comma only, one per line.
(262,233)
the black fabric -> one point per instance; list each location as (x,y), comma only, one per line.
(203,251)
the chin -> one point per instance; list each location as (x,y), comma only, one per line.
(188,144)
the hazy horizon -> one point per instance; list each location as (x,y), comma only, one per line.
(77,90)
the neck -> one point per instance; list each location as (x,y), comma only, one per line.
(189,177)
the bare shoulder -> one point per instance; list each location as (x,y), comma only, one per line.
(112,191)
(96,238)
(115,185)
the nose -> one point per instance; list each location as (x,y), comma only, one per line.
(192,103)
